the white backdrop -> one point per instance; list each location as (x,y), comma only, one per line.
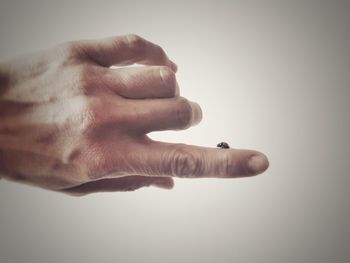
(269,75)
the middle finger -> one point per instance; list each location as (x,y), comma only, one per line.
(165,114)
(142,82)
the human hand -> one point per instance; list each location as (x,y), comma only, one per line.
(71,123)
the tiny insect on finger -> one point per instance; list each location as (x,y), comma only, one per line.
(223,145)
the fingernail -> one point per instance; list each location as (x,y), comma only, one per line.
(197,113)
(258,164)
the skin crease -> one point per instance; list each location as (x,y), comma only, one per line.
(71,123)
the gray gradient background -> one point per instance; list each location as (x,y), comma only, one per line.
(269,75)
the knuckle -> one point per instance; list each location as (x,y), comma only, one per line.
(102,161)
(183,113)
(233,167)
(185,163)
(68,53)
(86,79)
(96,162)
(101,118)
(160,53)
(91,162)
(169,80)
(69,48)
(91,115)
(135,41)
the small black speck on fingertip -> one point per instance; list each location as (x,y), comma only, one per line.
(223,145)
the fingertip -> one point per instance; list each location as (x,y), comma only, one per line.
(258,163)
(197,113)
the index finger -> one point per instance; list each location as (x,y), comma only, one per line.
(189,161)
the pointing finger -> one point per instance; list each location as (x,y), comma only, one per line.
(181,160)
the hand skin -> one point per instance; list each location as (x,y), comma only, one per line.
(70,122)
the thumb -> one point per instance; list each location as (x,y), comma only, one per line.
(164,182)
(125,183)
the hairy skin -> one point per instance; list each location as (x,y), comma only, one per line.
(71,123)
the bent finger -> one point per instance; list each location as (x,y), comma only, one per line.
(142,82)
(165,114)
(126,50)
